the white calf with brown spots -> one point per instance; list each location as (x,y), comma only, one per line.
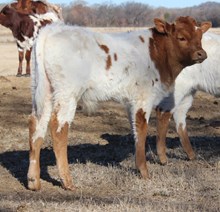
(137,69)
(204,77)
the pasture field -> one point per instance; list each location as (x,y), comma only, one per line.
(101,156)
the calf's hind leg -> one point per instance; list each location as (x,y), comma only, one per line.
(184,139)
(163,119)
(180,119)
(34,157)
(60,149)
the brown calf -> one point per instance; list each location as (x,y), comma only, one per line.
(15,16)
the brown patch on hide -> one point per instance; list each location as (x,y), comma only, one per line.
(108,62)
(115,57)
(62,135)
(104,48)
(142,39)
(45,22)
(141,123)
(109,59)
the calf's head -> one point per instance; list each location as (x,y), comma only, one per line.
(175,46)
(185,38)
(23,5)
(5,15)
(20,24)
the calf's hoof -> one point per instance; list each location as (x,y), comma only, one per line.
(27,75)
(144,175)
(34,184)
(70,187)
(163,160)
(67,184)
(19,75)
(192,156)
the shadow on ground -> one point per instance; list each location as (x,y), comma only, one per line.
(118,149)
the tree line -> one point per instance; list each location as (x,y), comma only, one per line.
(131,14)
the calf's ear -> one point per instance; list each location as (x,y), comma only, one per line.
(161,26)
(3,20)
(205,26)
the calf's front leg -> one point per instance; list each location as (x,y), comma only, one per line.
(28,66)
(20,58)
(141,134)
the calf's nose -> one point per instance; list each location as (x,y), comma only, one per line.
(200,56)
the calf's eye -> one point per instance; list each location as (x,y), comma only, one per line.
(181,39)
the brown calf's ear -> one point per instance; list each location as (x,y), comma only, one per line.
(205,26)
(192,20)
(160,25)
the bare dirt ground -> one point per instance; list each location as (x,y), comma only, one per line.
(101,156)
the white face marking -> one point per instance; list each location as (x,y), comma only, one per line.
(28,42)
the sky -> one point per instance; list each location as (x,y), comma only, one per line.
(153,3)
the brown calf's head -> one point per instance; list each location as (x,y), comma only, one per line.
(23,5)
(19,23)
(30,7)
(5,16)
(175,46)
(185,36)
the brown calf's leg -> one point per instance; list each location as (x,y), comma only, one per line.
(60,150)
(20,57)
(163,119)
(28,67)
(141,127)
(34,157)
(184,138)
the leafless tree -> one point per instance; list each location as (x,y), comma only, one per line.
(133,14)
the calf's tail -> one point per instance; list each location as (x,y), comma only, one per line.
(41,88)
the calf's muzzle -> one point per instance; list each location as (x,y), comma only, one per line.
(199,56)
